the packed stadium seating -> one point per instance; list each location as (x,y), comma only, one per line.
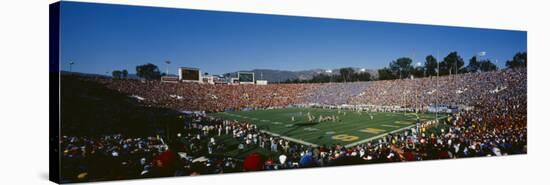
(497,125)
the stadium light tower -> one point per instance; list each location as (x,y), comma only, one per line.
(167,63)
(329,71)
(71,66)
(415,94)
(418,64)
(362,70)
(481,54)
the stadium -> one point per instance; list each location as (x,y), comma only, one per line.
(232,127)
(150,92)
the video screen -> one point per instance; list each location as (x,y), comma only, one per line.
(246,77)
(189,74)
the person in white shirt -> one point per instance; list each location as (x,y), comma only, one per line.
(282,159)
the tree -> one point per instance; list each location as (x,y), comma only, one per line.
(519,60)
(487,65)
(124,73)
(346,73)
(386,74)
(451,64)
(402,67)
(321,78)
(148,71)
(430,65)
(361,76)
(117,74)
(473,66)
(418,71)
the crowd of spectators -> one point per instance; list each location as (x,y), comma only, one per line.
(107,157)
(211,98)
(335,93)
(496,126)
(464,89)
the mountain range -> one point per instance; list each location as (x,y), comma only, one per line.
(260,74)
(282,75)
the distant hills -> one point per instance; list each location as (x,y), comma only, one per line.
(130,76)
(84,74)
(265,74)
(283,75)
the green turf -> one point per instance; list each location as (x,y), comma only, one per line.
(232,150)
(353,127)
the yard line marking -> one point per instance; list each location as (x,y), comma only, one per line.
(392,126)
(345,137)
(378,136)
(372,130)
(310,129)
(290,139)
(402,123)
(349,126)
(353,126)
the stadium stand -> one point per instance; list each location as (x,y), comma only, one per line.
(496,126)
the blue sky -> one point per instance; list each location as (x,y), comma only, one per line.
(100,38)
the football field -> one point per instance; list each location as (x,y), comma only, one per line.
(349,128)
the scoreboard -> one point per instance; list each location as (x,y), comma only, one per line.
(245,77)
(189,74)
